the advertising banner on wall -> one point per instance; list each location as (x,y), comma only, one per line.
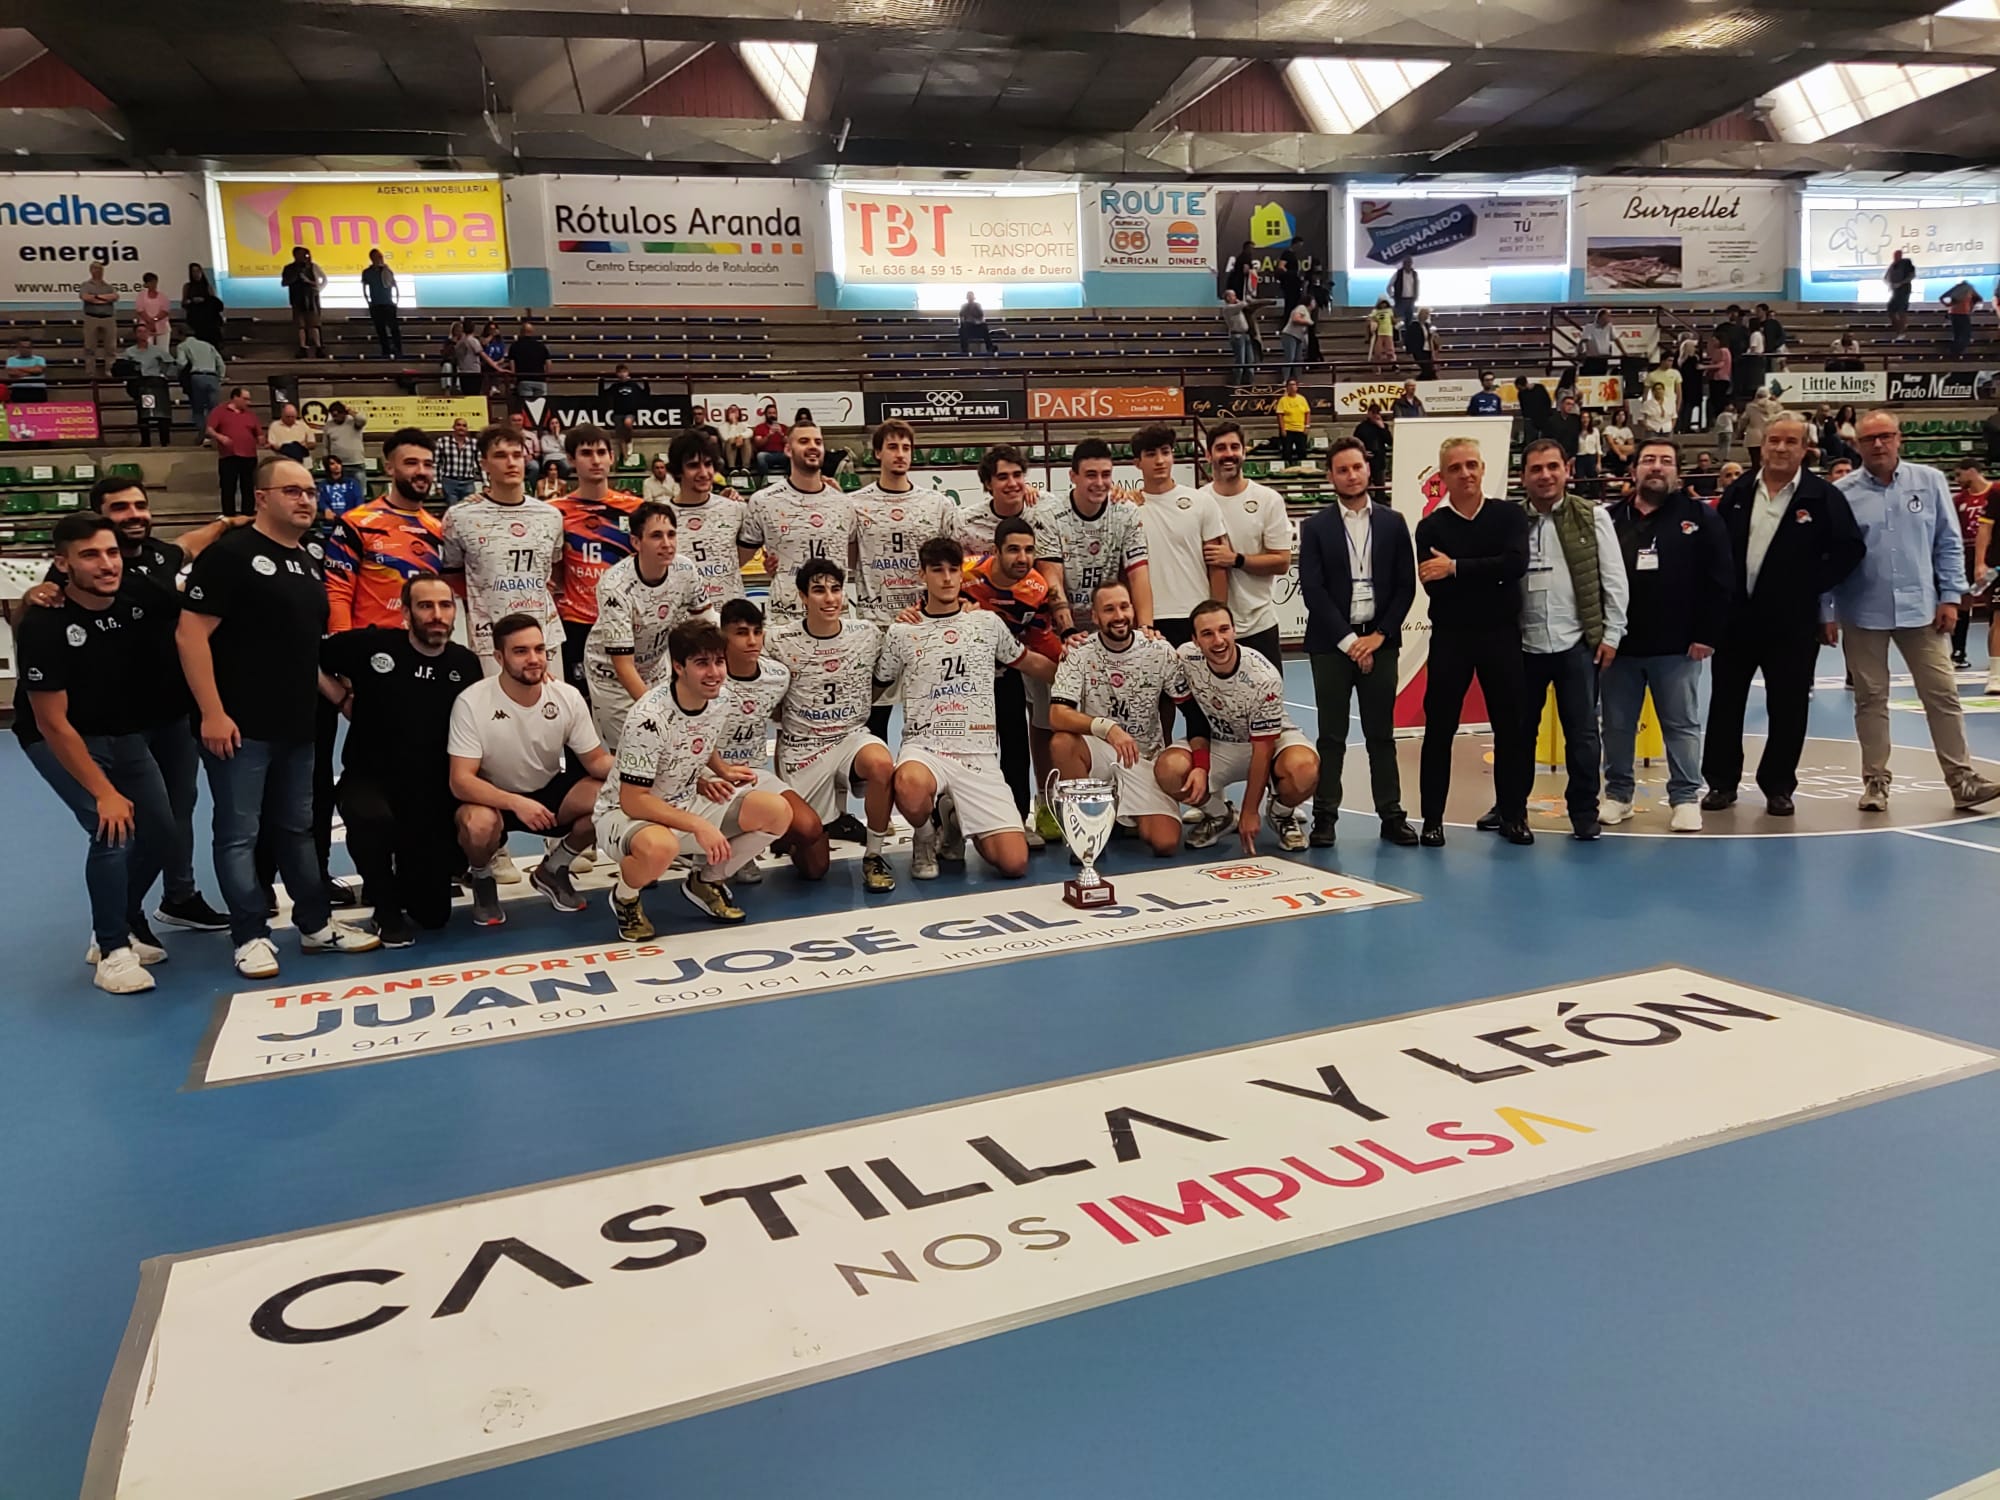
(1854,244)
(830,408)
(675,241)
(1466,233)
(1443,398)
(52,228)
(1238,401)
(1982,386)
(1642,236)
(950,403)
(1269,221)
(1147,226)
(385,414)
(1097,403)
(48,422)
(1798,387)
(897,239)
(425,226)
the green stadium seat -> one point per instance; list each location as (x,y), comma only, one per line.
(9,476)
(81,474)
(25,503)
(126,471)
(66,500)
(38,474)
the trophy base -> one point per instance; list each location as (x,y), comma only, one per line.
(1089,895)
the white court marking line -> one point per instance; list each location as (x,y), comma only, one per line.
(1938,838)
(1985,1487)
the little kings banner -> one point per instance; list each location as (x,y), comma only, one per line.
(373,1357)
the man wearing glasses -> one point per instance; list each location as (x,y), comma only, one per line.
(1907,590)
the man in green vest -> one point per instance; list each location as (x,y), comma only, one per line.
(1572,619)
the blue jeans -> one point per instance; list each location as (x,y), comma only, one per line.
(456,490)
(1294,355)
(266,782)
(1573,674)
(177,753)
(204,395)
(773,463)
(1676,685)
(116,876)
(1243,357)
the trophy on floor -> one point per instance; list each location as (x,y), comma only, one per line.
(1085,808)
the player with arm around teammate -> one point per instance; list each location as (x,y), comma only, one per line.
(1248,737)
(639,599)
(757,685)
(1105,708)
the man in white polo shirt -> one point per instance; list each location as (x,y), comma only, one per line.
(1180,523)
(1258,548)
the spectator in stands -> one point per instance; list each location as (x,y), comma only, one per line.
(202,370)
(1663,373)
(659,486)
(1294,414)
(1589,451)
(1732,333)
(378,285)
(1763,410)
(1766,322)
(457,456)
(1597,345)
(1727,475)
(1422,339)
(528,363)
(550,486)
(1403,288)
(549,454)
(1719,371)
(1409,403)
(200,306)
(1901,275)
(1242,342)
(340,490)
(1751,363)
(734,431)
(1845,353)
(1240,276)
(493,358)
(464,362)
(1960,301)
(1656,413)
(1536,405)
(1373,434)
(303,280)
(100,321)
(623,398)
(341,436)
(27,373)
(290,436)
(1843,423)
(1688,358)
(1565,423)
(972,327)
(1485,401)
(1293,339)
(1724,430)
(768,441)
(1619,444)
(1291,276)
(238,435)
(148,368)
(1381,321)
(1839,469)
(151,310)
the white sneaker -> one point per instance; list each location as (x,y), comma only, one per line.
(1992,683)
(923,852)
(258,959)
(147,953)
(580,864)
(120,972)
(950,832)
(338,937)
(750,874)
(1610,812)
(1875,796)
(1686,818)
(505,870)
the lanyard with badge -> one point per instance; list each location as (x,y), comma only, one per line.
(1361,599)
(1540,568)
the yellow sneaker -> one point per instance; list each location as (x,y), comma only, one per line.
(711,899)
(633,924)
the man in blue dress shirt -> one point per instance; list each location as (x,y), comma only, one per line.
(1907,591)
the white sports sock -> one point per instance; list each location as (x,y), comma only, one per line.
(480,872)
(874,842)
(623,891)
(743,848)
(1282,814)
(557,854)
(1217,805)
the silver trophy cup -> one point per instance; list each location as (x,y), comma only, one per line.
(1086,808)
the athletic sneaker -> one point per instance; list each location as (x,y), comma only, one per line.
(1992,683)
(505,870)
(875,876)
(951,833)
(1290,835)
(580,864)
(750,874)
(257,959)
(139,938)
(923,852)
(556,885)
(1047,824)
(120,972)
(847,829)
(1210,827)
(711,898)
(633,924)
(1611,812)
(342,895)
(1033,834)
(1687,818)
(394,929)
(338,937)
(1875,796)
(193,914)
(486,910)
(1970,791)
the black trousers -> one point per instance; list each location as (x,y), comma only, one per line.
(1787,657)
(576,636)
(388,328)
(1292,447)
(1336,681)
(1010,703)
(1573,674)
(1267,644)
(1458,655)
(405,848)
(239,483)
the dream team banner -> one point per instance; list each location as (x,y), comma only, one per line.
(385,1016)
(394,1352)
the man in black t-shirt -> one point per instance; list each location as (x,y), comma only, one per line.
(249,636)
(396,688)
(93,667)
(623,397)
(528,357)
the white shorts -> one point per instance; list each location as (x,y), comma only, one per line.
(616,829)
(1139,795)
(985,802)
(608,708)
(824,782)
(1229,761)
(1038,702)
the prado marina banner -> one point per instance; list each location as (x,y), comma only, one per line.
(1150,227)
(53,227)
(898,239)
(674,241)
(1642,236)
(1269,221)
(424,226)
(1466,232)
(1855,244)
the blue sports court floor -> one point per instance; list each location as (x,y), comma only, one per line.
(1810,1311)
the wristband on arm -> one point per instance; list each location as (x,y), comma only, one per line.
(1200,759)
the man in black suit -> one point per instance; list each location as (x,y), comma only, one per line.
(1792,537)
(1359,578)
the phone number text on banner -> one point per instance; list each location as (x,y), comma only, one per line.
(898,238)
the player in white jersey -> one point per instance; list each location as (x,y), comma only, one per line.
(501,549)
(712,519)
(824,745)
(1238,730)
(892,520)
(949,763)
(639,600)
(1258,549)
(1003,470)
(1105,707)
(757,686)
(674,794)
(1092,538)
(802,516)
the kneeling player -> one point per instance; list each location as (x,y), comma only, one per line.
(672,793)
(950,762)
(1105,709)
(756,687)
(1239,732)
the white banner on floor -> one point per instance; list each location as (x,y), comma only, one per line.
(394,1352)
(267,1033)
